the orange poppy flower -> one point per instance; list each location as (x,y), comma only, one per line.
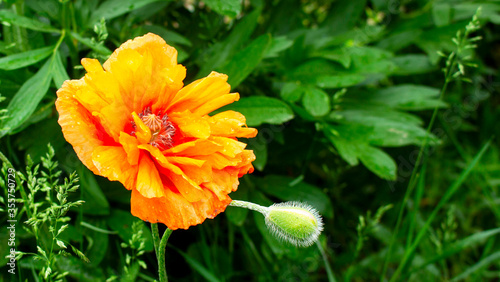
(131,120)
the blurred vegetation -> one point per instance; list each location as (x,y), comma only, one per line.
(376,112)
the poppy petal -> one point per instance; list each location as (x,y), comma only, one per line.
(109,163)
(149,183)
(78,125)
(175,211)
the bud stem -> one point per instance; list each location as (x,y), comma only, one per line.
(250,206)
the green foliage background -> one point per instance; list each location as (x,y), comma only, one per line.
(342,93)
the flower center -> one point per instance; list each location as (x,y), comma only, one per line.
(162,130)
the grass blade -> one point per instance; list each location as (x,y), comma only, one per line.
(449,192)
(482,263)
(468,242)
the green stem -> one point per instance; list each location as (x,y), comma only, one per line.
(248,205)
(160,250)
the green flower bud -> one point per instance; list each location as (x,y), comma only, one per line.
(294,222)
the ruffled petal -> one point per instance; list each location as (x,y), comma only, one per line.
(191,125)
(109,163)
(186,186)
(149,183)
(175,211)
(78,125)
(203,95)
(230,124)
(130,144)
(151,62)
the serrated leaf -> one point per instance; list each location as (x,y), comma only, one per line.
(29,23)
(27,99)
(245,61)
(316,101)
(24,59)
(230,8)
(261,109)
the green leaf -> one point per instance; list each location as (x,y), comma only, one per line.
(59,73)
(397,41)
(413,64)
(341,55)
(230,8)
(352,144)
(285,189)
(221,52)
(27,99)
(113,8)
(441,13)
(339,81)
(344,15)
(14,19)
(316,101)
(95,201)
(291,91)
(24,59)
(278,44)
(99,48)
(261,109)
(378,162)
(409,97)
(245,61)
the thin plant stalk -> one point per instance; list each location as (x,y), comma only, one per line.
(159,245)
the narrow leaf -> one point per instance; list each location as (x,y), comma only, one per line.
(59,73)
(24,59)
(27,99)
(245,61)
(113,8)
(11,18)
(93,45)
